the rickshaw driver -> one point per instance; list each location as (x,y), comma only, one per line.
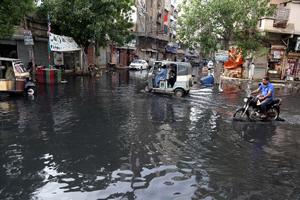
(172,75)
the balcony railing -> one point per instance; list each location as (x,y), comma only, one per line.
(281,18)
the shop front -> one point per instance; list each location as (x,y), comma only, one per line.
(276,60)
(292,68)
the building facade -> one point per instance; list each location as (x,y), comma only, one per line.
(283,34)
(155,28)
(15,47)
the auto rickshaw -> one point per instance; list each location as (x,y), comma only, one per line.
(14,78)
(178,79)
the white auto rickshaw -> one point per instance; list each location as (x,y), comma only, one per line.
(14,78)
(170,77)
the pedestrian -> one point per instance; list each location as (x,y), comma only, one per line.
(251,71)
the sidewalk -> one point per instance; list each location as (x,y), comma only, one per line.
(240,82)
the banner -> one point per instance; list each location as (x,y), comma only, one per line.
(62,43)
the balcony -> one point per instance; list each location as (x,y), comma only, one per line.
(279,23)
(267,25)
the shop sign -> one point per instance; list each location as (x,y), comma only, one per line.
(28,40)
(297,48)
(221,56)
(277,54)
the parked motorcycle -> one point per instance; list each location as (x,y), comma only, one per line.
(251,110)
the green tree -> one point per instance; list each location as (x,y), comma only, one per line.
(11,14)
(211,22)
(88,20)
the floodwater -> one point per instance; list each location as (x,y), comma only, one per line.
(104,138)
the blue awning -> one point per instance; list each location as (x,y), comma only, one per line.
(171,49)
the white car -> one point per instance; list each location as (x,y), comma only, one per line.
(210,64)
(139,65)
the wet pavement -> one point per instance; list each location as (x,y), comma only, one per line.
(104,138)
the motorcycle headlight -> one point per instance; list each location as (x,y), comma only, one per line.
(245,100)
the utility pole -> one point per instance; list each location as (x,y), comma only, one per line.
(30,44)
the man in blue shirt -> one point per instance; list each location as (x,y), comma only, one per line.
(267,94)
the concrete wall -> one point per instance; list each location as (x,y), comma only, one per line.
(102,58)
(294,17)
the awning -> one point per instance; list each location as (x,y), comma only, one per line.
(149,50)
(279,47)
(294,54)
(171,49)
(62,43)
(180,51)
(125,47)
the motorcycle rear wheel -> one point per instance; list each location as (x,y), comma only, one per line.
(273,113)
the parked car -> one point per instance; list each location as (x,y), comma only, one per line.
(151,62)
(138,65)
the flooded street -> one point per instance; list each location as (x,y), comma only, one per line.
(105,138)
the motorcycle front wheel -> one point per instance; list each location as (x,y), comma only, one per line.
(241,115)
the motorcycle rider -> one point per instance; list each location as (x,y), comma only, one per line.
(266,95)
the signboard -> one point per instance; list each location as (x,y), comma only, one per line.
(62,43)
(221,56)
(277,54)
(28,40)
(297,48)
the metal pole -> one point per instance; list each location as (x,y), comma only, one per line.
(30,48)
(49,48)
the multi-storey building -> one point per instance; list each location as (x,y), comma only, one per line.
(155,28)
(155,32)
(283,34)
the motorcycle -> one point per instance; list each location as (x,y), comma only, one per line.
(251,110)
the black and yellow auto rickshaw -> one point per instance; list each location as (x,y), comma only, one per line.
(14,78)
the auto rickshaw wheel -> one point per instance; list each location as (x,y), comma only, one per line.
(147,89)
(179,92)
(30,91)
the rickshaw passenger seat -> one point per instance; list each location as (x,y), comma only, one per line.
(9,74)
